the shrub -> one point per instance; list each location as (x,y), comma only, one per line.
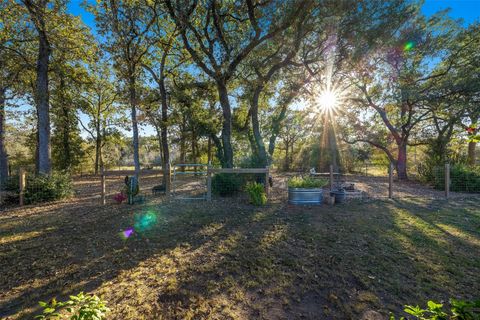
(226,184)
(48,187)
(299,182)
(257,194)
(459,310)
(462,178)
(81,306)
(12,183)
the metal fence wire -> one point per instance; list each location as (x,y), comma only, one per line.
(461,179)
(189,181)
(233,185)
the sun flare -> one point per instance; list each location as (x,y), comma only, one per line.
(328,100)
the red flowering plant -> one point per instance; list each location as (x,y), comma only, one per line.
(473,133)
(119,197)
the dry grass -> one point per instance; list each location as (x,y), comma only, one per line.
(227,260)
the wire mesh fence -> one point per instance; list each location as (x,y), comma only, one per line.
(234,184)
(458,179)
(118,186)
(189,181)
(205,183)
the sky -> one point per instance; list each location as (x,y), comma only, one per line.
(468,10)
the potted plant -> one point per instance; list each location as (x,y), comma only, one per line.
(306,190)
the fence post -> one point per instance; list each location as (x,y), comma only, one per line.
(390,181)
(267,181)
(331,177)
(21,185)
(103,186)
(209,183)
(447,180)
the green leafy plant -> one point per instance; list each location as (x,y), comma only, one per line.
(256,193)
(308,182)
(43,188)
(79,307)
(459,310)
(462,178)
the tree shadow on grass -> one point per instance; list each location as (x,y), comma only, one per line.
(82,249)
(228,260)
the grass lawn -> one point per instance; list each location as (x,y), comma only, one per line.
(194,260)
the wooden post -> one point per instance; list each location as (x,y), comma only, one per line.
(103,186)
(21,186)
(267,182)
(331,177)
(390,181)
(447,180)
(209,183)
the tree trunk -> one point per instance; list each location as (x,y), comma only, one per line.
(227,125)
(158,132)
(260,146)
(98,146)
(66,140)
(286,164)
(276,129)
(183,138)
(164,124)
(67,156)
(194,147)
(3,151)
(472,155)
(133,106)
(401,162)
(43,107)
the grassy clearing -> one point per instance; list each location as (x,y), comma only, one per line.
(222,261)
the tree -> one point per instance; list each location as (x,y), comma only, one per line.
(12,62)
(162,61)
(219,36)
(267,60)
(467,72)
(99,98)
(42,16)
(68,77)
(393,84)
(126,26)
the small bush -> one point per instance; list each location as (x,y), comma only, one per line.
(462,178)
(48,187)
(299,182)
(81,306)
(12,183)
(459,310)
(226,184)
(257,194)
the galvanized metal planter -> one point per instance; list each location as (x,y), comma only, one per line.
(305,195)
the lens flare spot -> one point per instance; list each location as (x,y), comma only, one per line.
(409,46)
(145,221)
(127,233)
